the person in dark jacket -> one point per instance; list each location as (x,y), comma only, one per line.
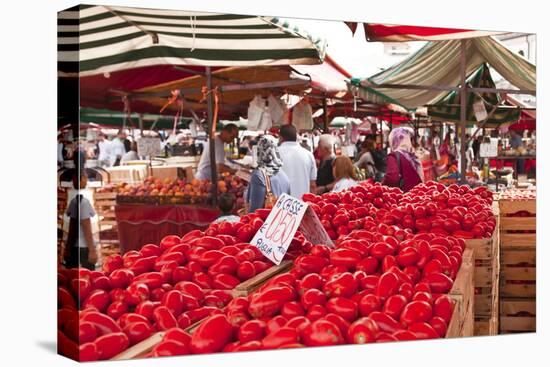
(403,168)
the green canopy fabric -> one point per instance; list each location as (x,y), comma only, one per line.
(448,107)
(438,64)
(100,39)
(117,119)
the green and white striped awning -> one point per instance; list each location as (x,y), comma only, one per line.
(438,64)
(448,107)
(102,39)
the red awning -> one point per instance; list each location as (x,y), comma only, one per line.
(404,33)
(527,118)
(105,90)
(328,77)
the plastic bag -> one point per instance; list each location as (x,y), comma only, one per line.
(301,116)
(266,120)
(277,110)
(256,109)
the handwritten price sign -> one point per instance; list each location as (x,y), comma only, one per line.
(278,230)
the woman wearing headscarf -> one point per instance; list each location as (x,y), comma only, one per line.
(268,178)
(403,168)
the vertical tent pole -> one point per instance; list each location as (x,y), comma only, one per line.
(325,116)
(463,111)
(212,136)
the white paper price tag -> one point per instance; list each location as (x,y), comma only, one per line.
(276,234)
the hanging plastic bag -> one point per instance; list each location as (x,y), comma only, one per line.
(266,121)
(256,109)
(302,116)
(277,110)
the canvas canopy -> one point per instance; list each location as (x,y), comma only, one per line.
(448,107)
(437,64)
(102,39)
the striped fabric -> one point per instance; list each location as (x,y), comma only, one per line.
(438,64)
(102,39)
(405,33)
(448,108)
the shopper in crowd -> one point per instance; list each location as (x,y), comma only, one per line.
(325,176)
(60,150)
(298,163)
(226,136)
(117,148)
(403,168)
(104,148)
(516,141)
(80,248)
(366,159)
(268,180)
(226,204)
(132,154)
(344,173)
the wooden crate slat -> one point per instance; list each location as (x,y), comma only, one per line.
(517,290)
(486,326)
(463,288)
(518,323)
(141,348)
(250,285)
(516,257)
(483,247)
(518,223)
(483,276)
(511,273)
(514,206)
(512,306)
(454,327)
(518,240)
(105,195)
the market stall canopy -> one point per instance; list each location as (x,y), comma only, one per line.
(405,33)
(528,116)
(237,86)
(448,107)
(94,39)
(435,69)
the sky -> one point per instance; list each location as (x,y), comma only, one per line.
(353,53)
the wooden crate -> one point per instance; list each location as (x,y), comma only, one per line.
(517,315)
(518,272)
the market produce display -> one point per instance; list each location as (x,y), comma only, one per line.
(387,278)
(354,294)
(176,191)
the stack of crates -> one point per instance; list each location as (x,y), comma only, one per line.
(518,224)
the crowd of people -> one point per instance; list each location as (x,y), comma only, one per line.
(285,165)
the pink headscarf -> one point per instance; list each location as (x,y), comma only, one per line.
(400,141)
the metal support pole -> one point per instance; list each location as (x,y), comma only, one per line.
(325,116)
(463,111)
(212,137)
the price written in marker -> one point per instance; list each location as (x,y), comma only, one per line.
(275,235)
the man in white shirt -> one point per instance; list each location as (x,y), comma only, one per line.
(104,146)
(226,136)
(81,250)
(117,148)
(298,163)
